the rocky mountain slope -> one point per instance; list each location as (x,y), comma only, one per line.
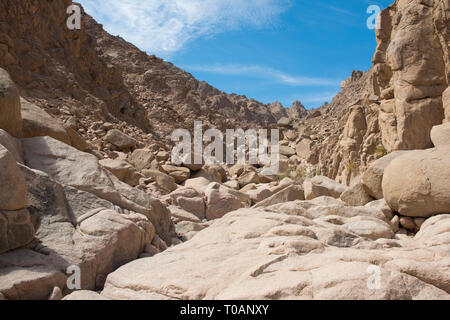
(87,182)
(87,76)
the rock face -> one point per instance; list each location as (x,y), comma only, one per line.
(295,250)
(10,116)
(82,171)
(413,71)
(416,183)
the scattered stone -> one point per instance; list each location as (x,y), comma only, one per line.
(120,139)
(322,186)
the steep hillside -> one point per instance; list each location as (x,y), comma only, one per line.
(87,76)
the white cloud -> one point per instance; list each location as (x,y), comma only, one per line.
(265,72)
(164,26)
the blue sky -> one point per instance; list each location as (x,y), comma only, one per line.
(269,50)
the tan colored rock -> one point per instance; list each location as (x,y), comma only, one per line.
(16,230)
(83,172)
(38,123)
(76,140)
(191,200)
(304,149)
(259,194)
(163,180)
(28,275)
(162,156)
(440,135)
(254,254)
(13,145)
(142,158)
(416,183)
(214,173)
(13,188)
(200,184)
(290,193)
(249,177)
(180,174)
(232,184)
(322,186)
(373,177)
(356,195)
(446,103)
(410,63)
(120,139)
(287,151)
(284,122)
(407,223)
(10,113)
(84,295)
(382,206)
(221,200)
(122,170)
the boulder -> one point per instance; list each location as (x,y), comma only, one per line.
(76,140)
(214,173)
(287,151)
(322,186)
(248,178)
(124,171)
(13,145)
(304,150)
(259,194)
(13,187)
(83,171)
(10,113)
(220,200)
(38,123)
(120,140)
(162,156)
(373,177)
(191,200)
(356,195)
(142,159)
(290,193)
(16,230)
(163,180)
(200,184)
(416,183)
(180,174)
(440,135)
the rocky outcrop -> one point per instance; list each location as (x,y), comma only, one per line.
(415,184)
(412,66)
(294,250)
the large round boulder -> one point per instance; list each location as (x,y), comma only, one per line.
(416,184)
